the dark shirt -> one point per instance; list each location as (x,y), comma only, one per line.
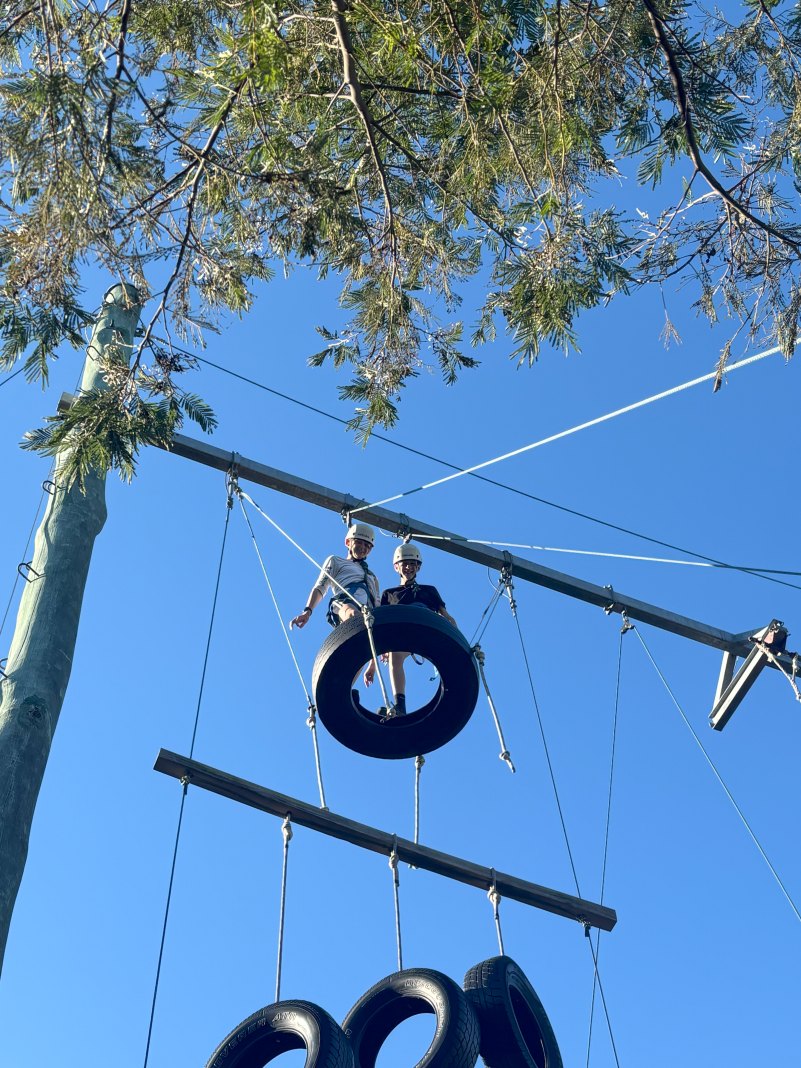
(414,594)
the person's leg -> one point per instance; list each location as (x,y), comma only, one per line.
(397,678)
(347,610)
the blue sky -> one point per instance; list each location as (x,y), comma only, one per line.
(703,962)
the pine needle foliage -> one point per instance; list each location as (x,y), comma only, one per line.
(402,145)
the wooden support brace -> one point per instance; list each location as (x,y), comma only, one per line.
(317,819)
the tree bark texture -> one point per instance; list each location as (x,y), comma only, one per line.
(40,659)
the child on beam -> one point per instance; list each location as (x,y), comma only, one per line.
(351,574)
(407,562)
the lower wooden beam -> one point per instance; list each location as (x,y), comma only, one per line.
(317,819)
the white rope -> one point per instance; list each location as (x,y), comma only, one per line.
(311,720)
(365,609)
(504,753)
(572,430)
(495,899)
(286,830)
(393,863)
(575,552)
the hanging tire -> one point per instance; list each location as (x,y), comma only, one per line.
(400,628)
(515,1030)
(280,1027)
(409,993)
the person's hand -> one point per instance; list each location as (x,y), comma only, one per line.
(369,674)
(301,620)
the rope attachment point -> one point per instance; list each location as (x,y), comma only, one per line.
(495,900)
(504,753)
(393,864)
(286,831)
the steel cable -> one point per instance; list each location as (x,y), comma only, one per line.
(718,776)
(185,783)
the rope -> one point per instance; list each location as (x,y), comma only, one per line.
(496,596)
(504,753)
(566,433)
(14,375)
(311,720)
(495,899)
(286,830)
(185,780)
(719,778)
(418,767)
(507,578)
(626,627)
(597,979)
(365,609)
(613,556)
(757,572)
(393,863)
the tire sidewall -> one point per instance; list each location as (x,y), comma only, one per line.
(298,1023)
(347,648)
(375,1015)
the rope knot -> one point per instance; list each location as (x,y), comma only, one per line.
(286,829)
(479,654)
(419,761)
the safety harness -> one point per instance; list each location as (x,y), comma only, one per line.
(348,591)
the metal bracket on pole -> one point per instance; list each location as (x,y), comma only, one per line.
(732,688)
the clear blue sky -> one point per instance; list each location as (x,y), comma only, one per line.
(703,965)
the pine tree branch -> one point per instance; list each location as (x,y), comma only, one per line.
(683,107)
(126,12)
(351,78)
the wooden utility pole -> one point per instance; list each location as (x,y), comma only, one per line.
(40,659)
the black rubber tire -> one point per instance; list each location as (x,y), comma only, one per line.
(400,628)
(515,1030)
(277,1028)
(409,993)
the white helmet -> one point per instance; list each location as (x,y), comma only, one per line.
(407,551)
(362,532)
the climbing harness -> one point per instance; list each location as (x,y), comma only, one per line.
(311,719)
(186,778)
(495,900)
(390,628)
(365,609)
(504,753)
(393,864)
(286,831)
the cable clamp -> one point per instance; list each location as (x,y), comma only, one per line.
(185,779)
(627,624)
(585,923)
(311,720)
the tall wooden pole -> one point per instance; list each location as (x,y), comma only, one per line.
(40,659)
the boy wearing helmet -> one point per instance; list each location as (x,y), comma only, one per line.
(407,562)
(351,574)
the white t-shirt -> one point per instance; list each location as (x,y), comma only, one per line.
(346,572)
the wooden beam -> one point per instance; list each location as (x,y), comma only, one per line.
(487,555)
(317,819)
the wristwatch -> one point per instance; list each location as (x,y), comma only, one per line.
(308,608)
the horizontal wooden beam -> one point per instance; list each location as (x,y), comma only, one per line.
(317,819)
(487,555)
